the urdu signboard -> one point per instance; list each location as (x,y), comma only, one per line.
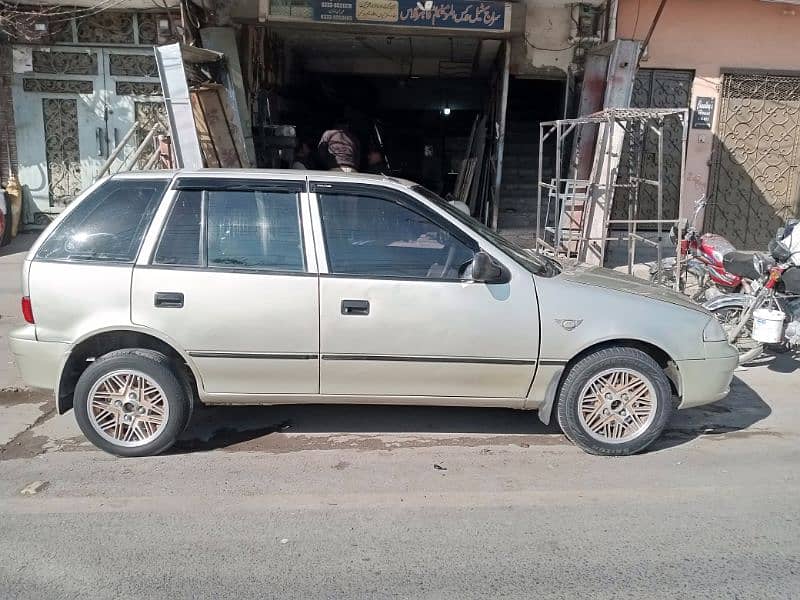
(454,14)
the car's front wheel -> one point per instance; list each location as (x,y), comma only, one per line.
(615,401)
(131,403)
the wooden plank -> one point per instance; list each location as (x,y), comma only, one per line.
(212,98)
(209,153)
(459,186)
(480,147)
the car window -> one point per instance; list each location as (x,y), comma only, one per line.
(107,225)
(533,261)
(255,230)
(370,235)
(181,242)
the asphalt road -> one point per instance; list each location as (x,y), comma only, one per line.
(382,502)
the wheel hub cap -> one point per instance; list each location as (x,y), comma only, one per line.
(617,406)
(127,408)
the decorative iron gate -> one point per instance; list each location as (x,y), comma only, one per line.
(61,148)
(655,88)
(755,168)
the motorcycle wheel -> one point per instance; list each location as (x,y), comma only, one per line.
(748,348)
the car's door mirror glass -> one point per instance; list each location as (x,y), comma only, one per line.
(485,269)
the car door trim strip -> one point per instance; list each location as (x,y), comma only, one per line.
(257,355)
(377,358)
(430,359)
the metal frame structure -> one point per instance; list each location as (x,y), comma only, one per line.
(170,60)
(610,125)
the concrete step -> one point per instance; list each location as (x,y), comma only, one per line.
(524,173)
(516,220)
(518,187)
(517,205)
(523,147)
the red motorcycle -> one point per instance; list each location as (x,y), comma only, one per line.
(702,274)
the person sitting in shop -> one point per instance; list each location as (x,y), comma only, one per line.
(339,149)
(376,162)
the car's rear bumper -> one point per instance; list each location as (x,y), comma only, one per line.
(707,380)
(39,363)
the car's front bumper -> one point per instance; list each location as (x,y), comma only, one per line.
(707,380)
(40,363)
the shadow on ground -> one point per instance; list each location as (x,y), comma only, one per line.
(217,427)
(252,428)
(21,243)
(742,409)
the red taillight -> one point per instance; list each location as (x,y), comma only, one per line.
(27,309)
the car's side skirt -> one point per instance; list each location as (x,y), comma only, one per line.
(275,399)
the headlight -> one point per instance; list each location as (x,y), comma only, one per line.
(714,332)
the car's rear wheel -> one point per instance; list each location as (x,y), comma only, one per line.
(131,403)
(615,401)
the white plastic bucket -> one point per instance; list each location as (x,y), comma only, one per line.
(768,325)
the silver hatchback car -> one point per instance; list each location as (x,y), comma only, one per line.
(154,292)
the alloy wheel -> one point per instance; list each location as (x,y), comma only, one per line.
(617,405)
(128,408)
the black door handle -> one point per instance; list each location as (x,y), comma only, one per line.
(168,300)
(355,307)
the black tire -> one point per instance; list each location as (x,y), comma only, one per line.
(156,367)
(591,366)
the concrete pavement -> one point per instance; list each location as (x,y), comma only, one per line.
(401,502)
(335,502)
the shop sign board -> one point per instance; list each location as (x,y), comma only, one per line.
(703,116)
(455,14)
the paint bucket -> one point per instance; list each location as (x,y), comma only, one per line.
(768,325)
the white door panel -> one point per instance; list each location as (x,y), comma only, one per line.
(429,377)
(397,317)
(470,339)
(249,332)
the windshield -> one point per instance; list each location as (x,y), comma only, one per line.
(536,263)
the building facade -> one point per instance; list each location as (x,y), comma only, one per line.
(73,87)
(736,64)
(76,86)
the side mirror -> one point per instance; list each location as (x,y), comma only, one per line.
(485,269)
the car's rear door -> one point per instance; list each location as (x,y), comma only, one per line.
(232,279)
(396,317)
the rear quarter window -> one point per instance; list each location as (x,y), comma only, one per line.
(108,225)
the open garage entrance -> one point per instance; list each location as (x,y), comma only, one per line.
(433,105)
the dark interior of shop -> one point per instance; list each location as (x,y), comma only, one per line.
(420,125)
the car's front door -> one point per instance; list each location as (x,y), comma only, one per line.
(397,316)
(232,281)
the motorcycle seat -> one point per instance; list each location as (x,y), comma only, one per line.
(741,263)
